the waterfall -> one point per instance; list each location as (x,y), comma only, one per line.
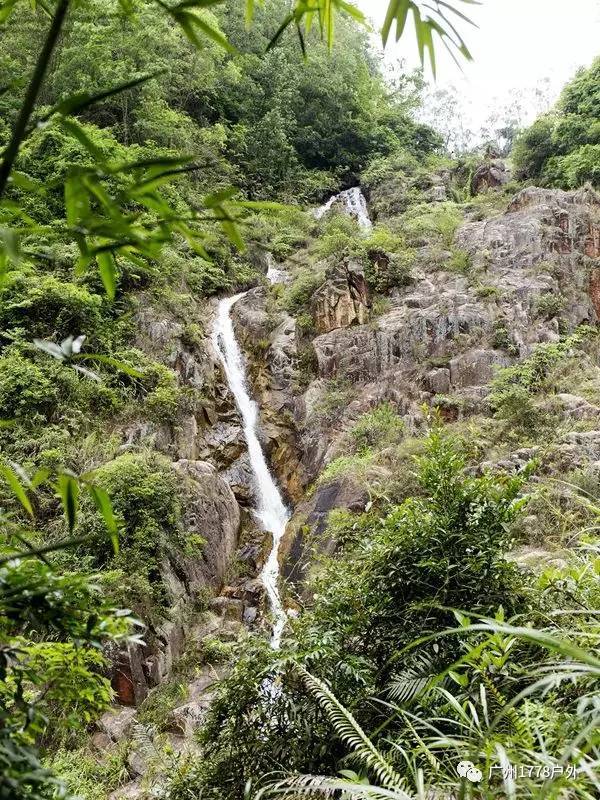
(270,508)
(354,203)
(275,275)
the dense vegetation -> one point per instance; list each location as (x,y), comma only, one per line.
(563,147)
(423,644)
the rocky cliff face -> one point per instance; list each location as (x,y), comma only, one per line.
(533,275)
(527,275)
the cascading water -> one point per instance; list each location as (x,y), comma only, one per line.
(354,203)
(275,275)
(270,508)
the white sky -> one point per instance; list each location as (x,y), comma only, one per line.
(517,45)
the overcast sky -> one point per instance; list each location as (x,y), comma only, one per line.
(518,44)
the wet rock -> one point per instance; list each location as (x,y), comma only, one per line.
(223,443)
(211,511)
(129,677)
(307,527)
(250,615)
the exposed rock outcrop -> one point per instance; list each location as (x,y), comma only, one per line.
(304,536)
(343,299)
(212,514)
(489,175)
(531,277)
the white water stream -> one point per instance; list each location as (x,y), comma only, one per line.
(270,508)
(353,202)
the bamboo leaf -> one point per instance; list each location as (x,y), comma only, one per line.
(214,34)
(10,476)
(81,100)
(68,490)
(104,506)
(122,366)
(108,272)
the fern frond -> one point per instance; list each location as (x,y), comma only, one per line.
(417,677)
(324,786)
(350,732)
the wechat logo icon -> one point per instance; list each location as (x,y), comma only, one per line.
(468,770)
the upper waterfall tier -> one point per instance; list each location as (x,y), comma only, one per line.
(353,202)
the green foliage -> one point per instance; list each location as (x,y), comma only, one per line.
(353,466)
(549,306)
(502,339)
(382,253)
(341,236)
(97,184)
(46,307)
(88,776)
(514,388)
(460,261)
(160,702)
(298,294)
(424,223)
(395,579)
(76,693)
(147,504)
(378,428)
(562,149)
(25,387)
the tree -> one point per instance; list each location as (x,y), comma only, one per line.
(561,148)
(113,210)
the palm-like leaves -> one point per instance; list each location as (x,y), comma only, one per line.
(469,725)
(350,732)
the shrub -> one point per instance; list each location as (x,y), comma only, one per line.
(397,577)
(354,465)
(75,692)
(424,223)
(484,292)
(385,272)
(549,306)
(215,651)
(298,294)
(502,339)
(156,708)
(460,261)
(48,308)
(341,236)
(147,502)
(378,428)
(574,169)
(88,776)
(514,388)
(26,389)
